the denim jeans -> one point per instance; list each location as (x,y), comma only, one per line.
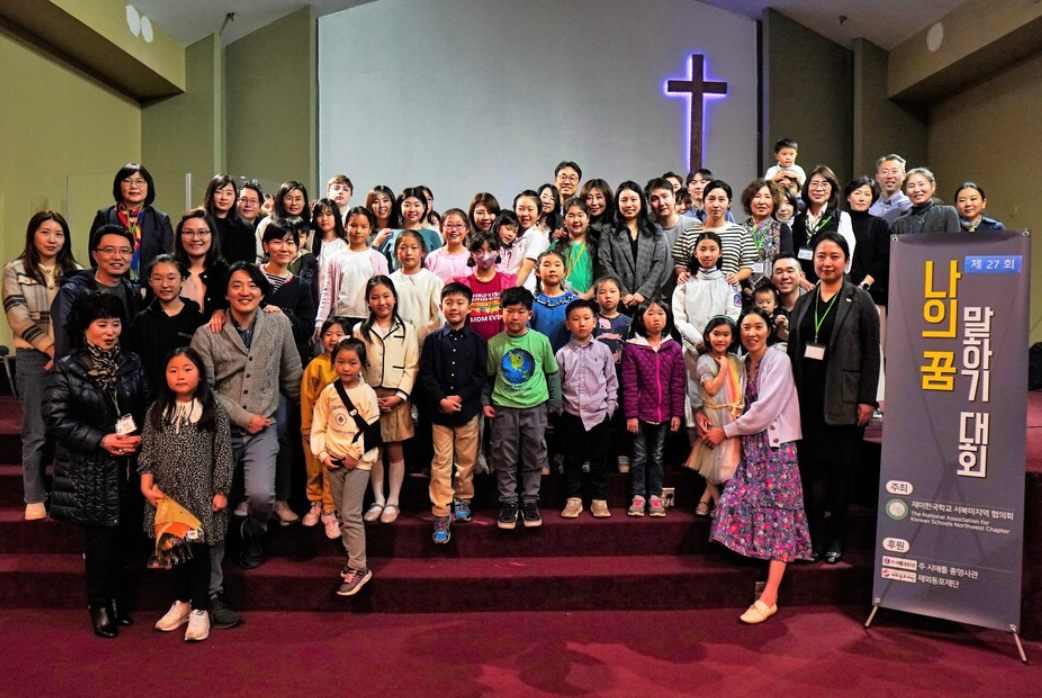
(30,378)
(646,470)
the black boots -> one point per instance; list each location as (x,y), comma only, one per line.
(103,619)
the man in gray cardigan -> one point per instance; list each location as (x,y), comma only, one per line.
(249,362)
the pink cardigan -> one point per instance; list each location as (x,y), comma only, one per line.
(777,408)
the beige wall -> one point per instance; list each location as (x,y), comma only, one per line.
(271,102)
(882,126)
(809,95)
(185,134)
(992,134)
(61,132)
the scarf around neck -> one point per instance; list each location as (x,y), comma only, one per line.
(104,365)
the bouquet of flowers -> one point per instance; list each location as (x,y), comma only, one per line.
(176,530)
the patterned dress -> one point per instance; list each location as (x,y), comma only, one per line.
(760,513)
(717,465)
(190,466)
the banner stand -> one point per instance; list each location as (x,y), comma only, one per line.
(877,603)
(950,521)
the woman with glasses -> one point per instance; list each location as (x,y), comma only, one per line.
(134,191)
(195,247)
(821,192)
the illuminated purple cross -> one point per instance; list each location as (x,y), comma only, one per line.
(696,87)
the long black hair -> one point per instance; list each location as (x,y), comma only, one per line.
(162,408)
(379,280)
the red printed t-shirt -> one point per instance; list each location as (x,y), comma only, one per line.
(486,315)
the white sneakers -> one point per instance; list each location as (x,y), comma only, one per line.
(180,613)
(198,626)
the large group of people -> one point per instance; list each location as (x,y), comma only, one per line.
(581,325)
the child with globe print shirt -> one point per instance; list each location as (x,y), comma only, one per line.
(523,385)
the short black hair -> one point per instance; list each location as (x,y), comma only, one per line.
(279,228)
(350,344)
(568,163)
(785,143)
(110,229)
(516,295)
(96,305)
(579,304)
(254,272)
(863,181)
(657,183)
(124,172)
(455,288)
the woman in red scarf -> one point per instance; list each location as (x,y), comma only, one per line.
(134,191)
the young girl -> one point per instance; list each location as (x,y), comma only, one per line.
(511,252)
(30,287)
(486,282)
(345,274)
(483,211)
(413,205)
(577,248)
(393,362)
(384,207)
(652,400)
(721,385)
(705,294)
(327,231)
(419,289)
(348,459)
(318,374)
(186,455)
(551,299)
(549,208)
(612,329)
(532,239)
(168,322)
(343,451)
(451,261)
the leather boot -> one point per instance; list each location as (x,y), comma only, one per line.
(104,622)
(120,613)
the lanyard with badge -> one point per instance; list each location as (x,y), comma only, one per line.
(124,425)
(816,350)
(807,253)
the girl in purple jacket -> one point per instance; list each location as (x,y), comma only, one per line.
(652,399)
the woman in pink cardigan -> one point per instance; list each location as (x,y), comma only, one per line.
(760,513)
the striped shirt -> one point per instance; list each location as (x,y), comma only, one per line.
(739,250)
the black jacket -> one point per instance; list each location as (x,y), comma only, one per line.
(157,235)
(88,481)
(871,254)
(852,376)
(236,239)
(803,237)
(153,334)
(80,283)
(296,302)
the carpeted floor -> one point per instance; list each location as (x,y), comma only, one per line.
(804,652)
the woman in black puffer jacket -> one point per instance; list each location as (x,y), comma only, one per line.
(94,404)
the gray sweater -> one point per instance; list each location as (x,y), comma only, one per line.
(248,381)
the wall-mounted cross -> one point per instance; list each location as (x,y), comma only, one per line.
(697,87)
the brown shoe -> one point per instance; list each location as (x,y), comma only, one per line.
(599,508)
(572,508)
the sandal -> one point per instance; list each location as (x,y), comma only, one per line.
(702,509)
(390,513)
(375,510)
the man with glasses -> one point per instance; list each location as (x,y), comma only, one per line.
(112,248)
(567,177)
(890,175)
(251,196)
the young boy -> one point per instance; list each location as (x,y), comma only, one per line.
(340,189)
(523,382)
(590,390)
(785,153)
(453,371)
(611,330)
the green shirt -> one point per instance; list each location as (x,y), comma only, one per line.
(520,365)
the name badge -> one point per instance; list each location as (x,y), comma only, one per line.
(814,351)
(806,253)
(758,267)
(125,425)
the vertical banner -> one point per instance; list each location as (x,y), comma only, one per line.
(950,531)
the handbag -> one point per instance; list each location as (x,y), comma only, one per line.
(372,433)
